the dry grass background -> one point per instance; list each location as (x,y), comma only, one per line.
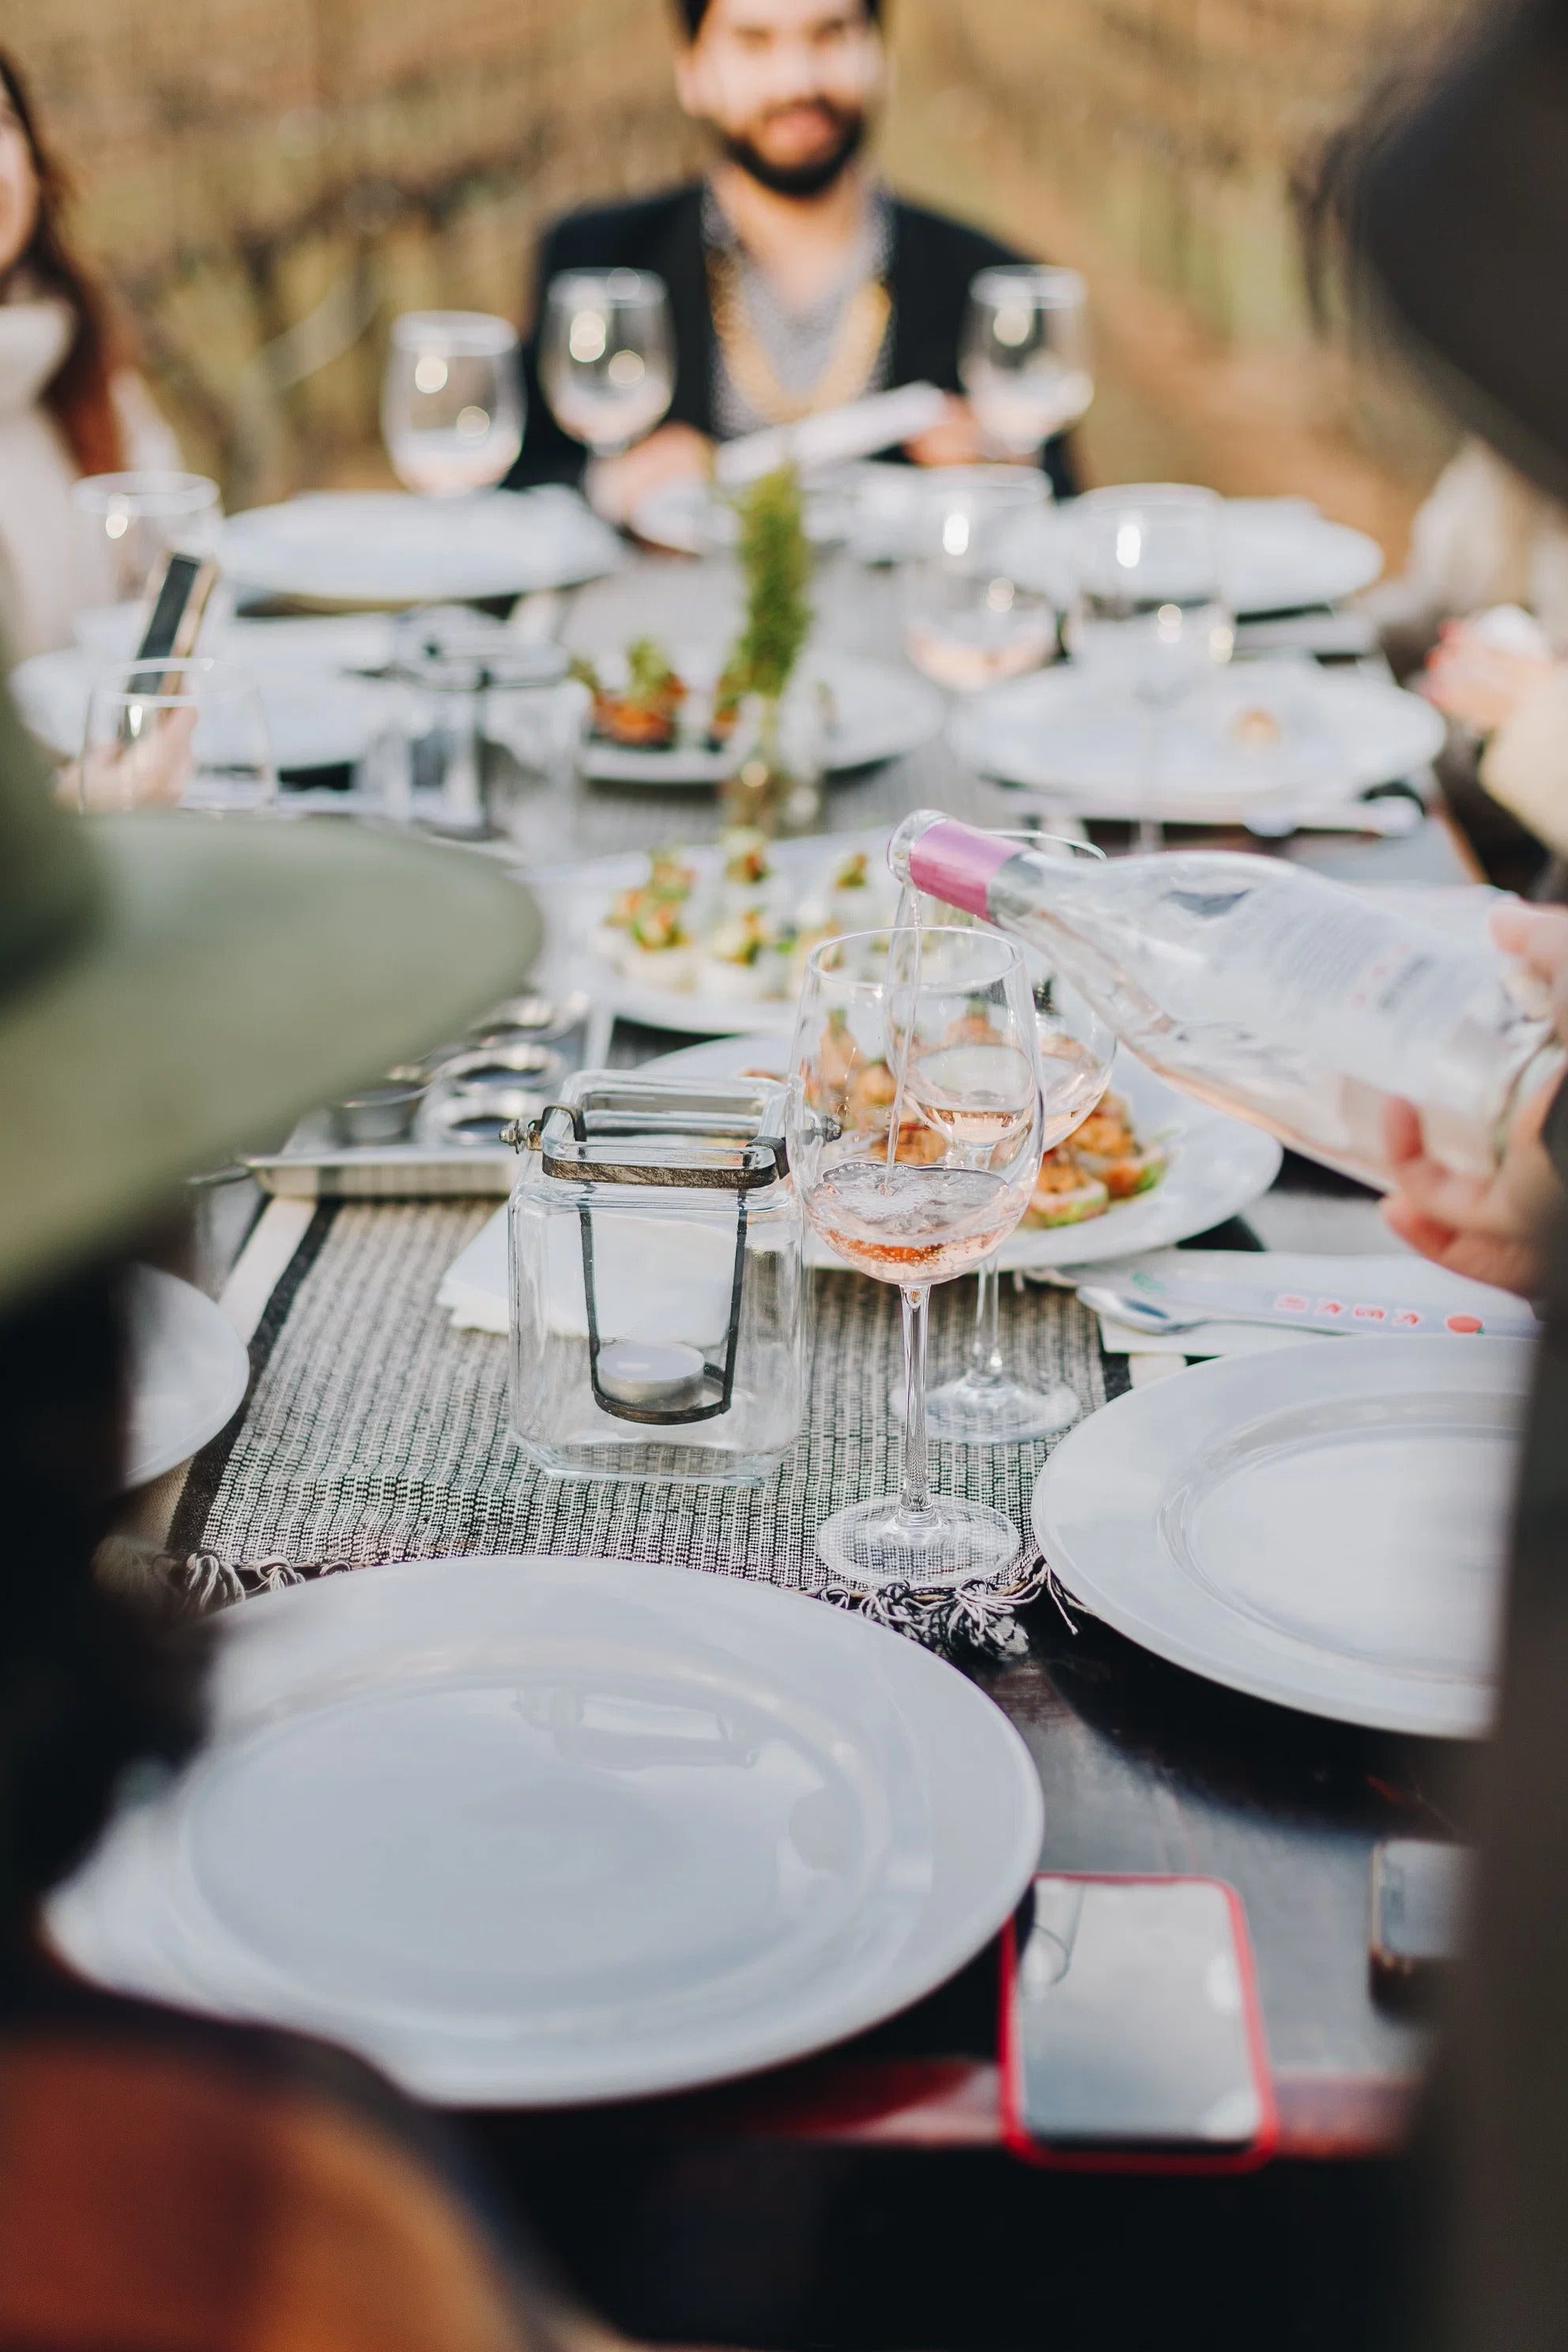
(271,180)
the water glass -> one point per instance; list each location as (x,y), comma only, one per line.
(1149,616)
(968,622)
(181,734)
(451,401)
(1024,359)
(606,355)
(914,1139)
(124,528)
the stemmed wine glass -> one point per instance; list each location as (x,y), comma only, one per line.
(1149,614)
(986,1405)
(606,355)
(914,1137)
(1023,358)
(125,527)
(451,401)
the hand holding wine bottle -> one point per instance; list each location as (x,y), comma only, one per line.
(1491,1228)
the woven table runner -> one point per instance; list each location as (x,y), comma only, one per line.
(375,1432)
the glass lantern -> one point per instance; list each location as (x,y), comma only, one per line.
(657,1297)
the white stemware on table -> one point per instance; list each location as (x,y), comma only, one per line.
(1024,357)
(915,1134)
(452,407)
(1149,617)
(606,355)
(986,1404)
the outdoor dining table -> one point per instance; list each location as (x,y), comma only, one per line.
(706,2216)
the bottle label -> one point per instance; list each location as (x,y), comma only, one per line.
(1369,994)
(955,863)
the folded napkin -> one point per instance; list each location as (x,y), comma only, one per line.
(654,1276)
(1406,1277)
(884,420)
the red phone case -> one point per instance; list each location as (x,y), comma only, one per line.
(1022,2143)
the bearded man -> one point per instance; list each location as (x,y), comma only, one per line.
(796,280)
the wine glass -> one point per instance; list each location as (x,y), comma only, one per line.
(606,355)
(914,1138)
(986,1405)
(968,622)
(451,401)
(181,734)
(1024,357)
(1149,616)
(124,528)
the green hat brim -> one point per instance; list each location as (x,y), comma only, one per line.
(235,973)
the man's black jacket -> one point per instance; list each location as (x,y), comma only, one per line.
(933,261)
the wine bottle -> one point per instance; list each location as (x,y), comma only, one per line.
(1265,989)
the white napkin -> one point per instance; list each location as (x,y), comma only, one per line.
(654,1277)
(884,420)
(1405,1276)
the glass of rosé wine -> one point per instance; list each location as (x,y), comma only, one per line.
(915,1139)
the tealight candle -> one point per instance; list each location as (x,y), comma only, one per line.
(661,1375)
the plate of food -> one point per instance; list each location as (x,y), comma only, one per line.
(1278,555)
(384,548)
(671,715)
(1148,1168)
(714,938)
(1261,739)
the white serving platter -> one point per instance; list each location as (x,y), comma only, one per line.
(1219,1167)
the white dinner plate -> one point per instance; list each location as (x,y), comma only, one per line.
(314,720)
(1217,1166)
(874,712)
(1278,555)
(1335,732)
(189,1372)
(547,1830)
(577,897)
(382,548)
(1326,1527)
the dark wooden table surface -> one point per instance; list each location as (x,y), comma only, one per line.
(863,2197)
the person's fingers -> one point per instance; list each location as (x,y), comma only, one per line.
(1537,935)
(1423,1233)
(1402,1137)
(1506,1265)
(1461,1201)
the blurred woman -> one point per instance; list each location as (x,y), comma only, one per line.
(70,405)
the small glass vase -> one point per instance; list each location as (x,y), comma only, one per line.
(775,783)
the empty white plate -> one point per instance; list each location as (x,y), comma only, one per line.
(547,1830)
(1278,555)
(379,547)
(1328,735)
(189,1372)
(1326,1527)
(314,717)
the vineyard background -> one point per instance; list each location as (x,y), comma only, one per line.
(270,181)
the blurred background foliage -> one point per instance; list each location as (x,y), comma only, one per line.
(270,181)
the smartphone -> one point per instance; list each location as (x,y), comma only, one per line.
(1418,1891)
(174,623)
(1131,2039)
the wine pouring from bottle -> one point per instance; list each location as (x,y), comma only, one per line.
(1290,1001)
